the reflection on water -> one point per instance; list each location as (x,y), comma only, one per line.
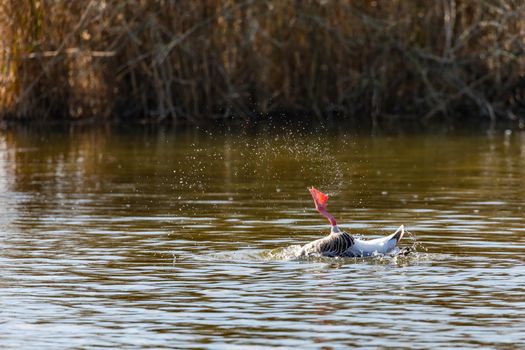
(182,240)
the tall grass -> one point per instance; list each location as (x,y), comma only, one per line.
(193,61)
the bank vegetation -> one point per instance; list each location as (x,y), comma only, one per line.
(198,61)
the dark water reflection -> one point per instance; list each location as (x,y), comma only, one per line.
(179,240)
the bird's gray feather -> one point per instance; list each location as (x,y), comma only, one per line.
(335,244)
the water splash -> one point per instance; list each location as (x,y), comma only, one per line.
(413,253)
(261,159)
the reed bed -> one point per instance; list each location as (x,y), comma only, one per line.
(197,61)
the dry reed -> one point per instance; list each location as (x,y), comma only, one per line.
(194,61)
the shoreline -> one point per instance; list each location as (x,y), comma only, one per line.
(197,62)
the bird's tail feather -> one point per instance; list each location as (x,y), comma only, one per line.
(398,234)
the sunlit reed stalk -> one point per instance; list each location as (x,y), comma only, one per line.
(196,61)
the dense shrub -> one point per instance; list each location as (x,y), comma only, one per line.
(195,61)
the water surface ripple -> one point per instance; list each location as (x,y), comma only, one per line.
(186,240)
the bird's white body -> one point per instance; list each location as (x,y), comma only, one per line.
(383,245)
(339,243)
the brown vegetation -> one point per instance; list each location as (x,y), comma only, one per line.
(200,60)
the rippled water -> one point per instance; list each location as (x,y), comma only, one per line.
(186,240)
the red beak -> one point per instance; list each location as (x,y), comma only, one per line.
(319,197)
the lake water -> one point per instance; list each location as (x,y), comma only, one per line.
(163,239)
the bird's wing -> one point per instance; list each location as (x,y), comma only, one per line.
(336,244)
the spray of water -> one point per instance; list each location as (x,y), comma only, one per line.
(413,253)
